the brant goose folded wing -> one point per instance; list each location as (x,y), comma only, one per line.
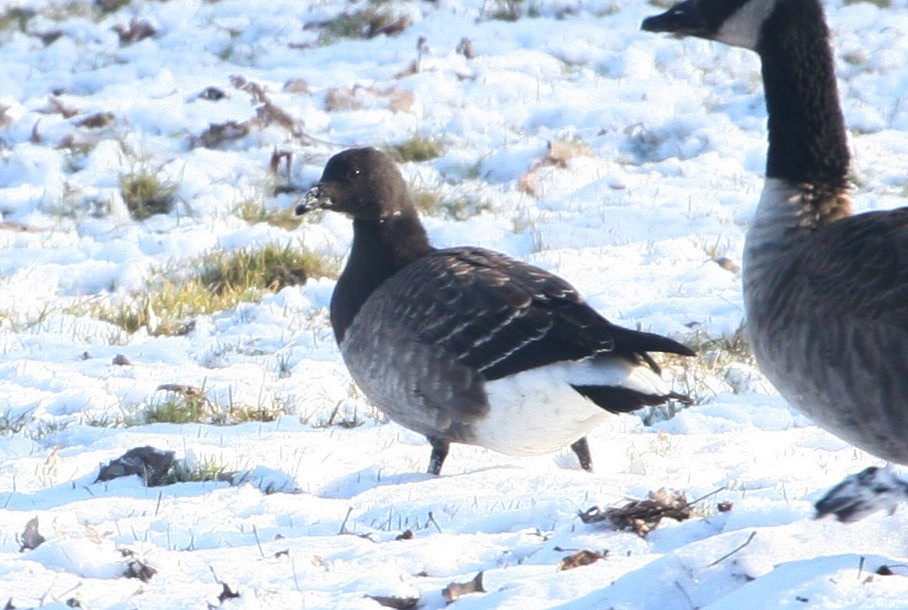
(825,291)
(468,345)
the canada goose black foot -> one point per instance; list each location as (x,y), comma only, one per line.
(862,494)
(581,449)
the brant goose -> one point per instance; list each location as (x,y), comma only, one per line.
(825,291)
(467,345)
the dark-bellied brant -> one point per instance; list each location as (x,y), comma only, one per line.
(825,291)
(467,345)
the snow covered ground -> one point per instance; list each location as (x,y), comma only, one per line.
(671,141)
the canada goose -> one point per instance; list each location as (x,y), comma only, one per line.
(467,345)
(825,291)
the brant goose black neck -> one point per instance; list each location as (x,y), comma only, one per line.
(380,249)
(807,143)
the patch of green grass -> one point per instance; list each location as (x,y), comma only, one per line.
(165,308)
(146,194)
(224,279)
(433,202)
(345,414)
(877,3)
(512,10)
(203,471)
(190,405)
(255,212)
(705,375)
(184,407)
(364,23)
(187,404)
(416,149)
(27,425)
(270,269)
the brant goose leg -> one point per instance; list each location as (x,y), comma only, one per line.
(581,449)
(439,452)
(467,345)
(825,291)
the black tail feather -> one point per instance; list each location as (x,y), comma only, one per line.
(639,341)
(617,399)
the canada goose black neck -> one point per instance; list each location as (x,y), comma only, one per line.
(807,143)
(825,292)
(380,249)
(807,162)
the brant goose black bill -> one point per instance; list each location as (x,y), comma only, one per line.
(825,291)
(467,345)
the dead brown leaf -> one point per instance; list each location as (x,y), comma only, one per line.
(359,97)
(642,516)
(96,120)
(562,151)
(188,391)
(456,590)
(30,538)
(270,113)
(136,31)
(220,133)
(396,26)
(56,106)
(727,264)
(580,558)
(296,85)
(136,568)
(465,48)
(227,593)
(280,155)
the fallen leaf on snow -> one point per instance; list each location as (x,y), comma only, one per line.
(30,538)
(456,590)
(580,558)
(642,516)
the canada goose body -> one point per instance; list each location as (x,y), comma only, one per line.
(825,291)
(467,345)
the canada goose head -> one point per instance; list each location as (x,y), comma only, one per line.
(735,22)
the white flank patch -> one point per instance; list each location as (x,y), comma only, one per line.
(538,411)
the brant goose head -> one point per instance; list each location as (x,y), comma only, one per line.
(825,291)
(467,345)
